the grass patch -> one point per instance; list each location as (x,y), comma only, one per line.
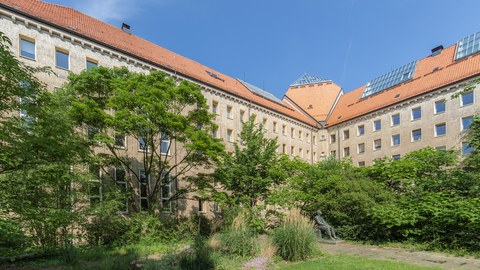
(343,262)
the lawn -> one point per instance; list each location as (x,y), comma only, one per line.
(343,262)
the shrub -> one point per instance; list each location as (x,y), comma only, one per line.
(238,238)
(11,236)
(295,239)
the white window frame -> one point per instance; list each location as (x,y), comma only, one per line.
(163,198)
(358,148)
(124,183)
(140,184)
(165,139)
(96,181)
(399,140)
(375,126)
(462,126)
(421,135)
(436,126)
(444,106)
(64,51)
(464,94)
(27,39)
(392,122)
(412,114)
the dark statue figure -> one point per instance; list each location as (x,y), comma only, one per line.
(322,225)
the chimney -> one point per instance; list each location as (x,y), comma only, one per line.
(126,28)
(437,50)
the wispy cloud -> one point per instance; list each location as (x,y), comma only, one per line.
(113,10)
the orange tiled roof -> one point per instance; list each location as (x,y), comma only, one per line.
(81,24)
(425,79)
(316,99)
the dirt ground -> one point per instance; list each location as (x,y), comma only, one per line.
(423,258)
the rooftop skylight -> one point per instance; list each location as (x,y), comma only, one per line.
(308,79)
(392,78)
(260,92)
(468,46)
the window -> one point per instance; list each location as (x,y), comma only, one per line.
(300,135)
(142,144)
(361,164)
(62,59)
(416,113)
(396,157)
(466,122)
(377,125)
(275,126)
(284,148)
(377,144)
(315,156)
(200,206)
(440,129)
(229,135)
(91,132)
(90,63)
(314,139)
(346,151)
(264,124)
(440,106)
(307,137)
(164,144)
(120,140)
(292,133)
(166,191)
(229,112)
(346,134)
(308,154)
(395,119)
(143,182)
(121,182)
(284,129)
(416,135)
(300,152)
(215,133)
(215,107)
(360,130)
(242,116)
(95,185)
(361,148)
(333,153)
(333,138)
(467,98)
(292,150)
(441,148)
(396,140)
(27,47)
(466,148)
(254,116)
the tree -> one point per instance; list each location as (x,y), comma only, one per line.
(39,150)
(169,120)
(251,172)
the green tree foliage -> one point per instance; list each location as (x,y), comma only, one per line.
(38,153)
(437,200)
(343,193)
(249,174)
(165,115)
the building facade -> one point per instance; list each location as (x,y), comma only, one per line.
(390,116)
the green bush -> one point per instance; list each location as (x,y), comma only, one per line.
(295,239)
(238,238)
(11,236)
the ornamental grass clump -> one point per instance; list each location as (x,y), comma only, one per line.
(295,239)
(238,238)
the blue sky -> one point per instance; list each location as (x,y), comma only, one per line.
(271,43)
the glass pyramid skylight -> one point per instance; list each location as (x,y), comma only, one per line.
(308,79)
